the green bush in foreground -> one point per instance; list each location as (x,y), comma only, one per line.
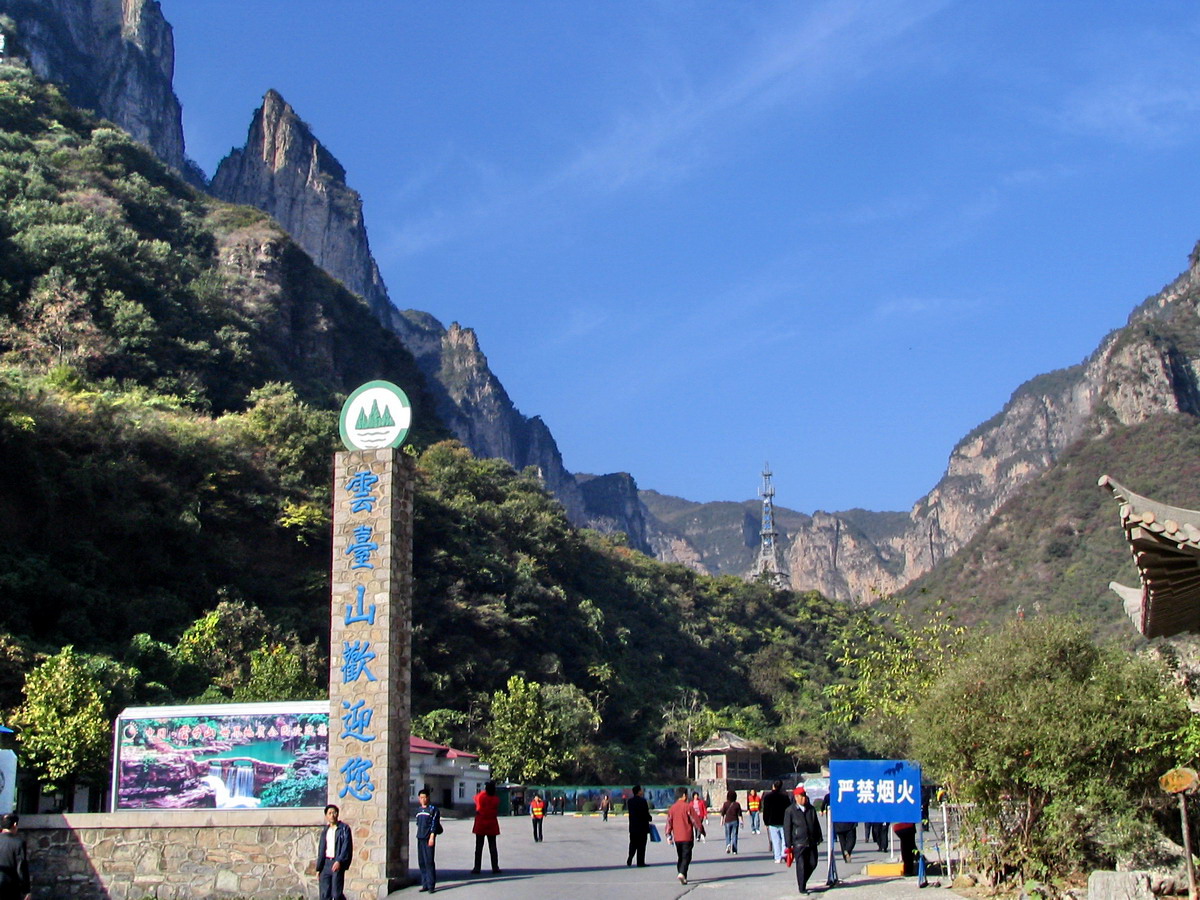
(1057,741)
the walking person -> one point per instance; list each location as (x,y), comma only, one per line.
(847,837)
(775,805)
(681,831)
(335,850)
(802,831)
(429,826)
(605,806)
(879,834)
(487,825)
(731,818)
(700,811)
(753,806)
(906,833)
(14,861)
(537,811)
(639,826)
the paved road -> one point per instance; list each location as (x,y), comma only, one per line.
(582,857)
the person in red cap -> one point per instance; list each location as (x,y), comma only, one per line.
(802,832)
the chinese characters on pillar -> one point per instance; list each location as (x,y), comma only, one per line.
(357,654)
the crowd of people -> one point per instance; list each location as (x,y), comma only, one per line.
(792,822)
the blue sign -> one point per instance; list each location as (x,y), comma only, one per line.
(874,790)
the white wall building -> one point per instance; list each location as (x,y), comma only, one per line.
(453,777)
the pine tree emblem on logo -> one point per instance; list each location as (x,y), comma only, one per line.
(378,414)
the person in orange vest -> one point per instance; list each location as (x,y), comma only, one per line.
(753,805)
(537,809)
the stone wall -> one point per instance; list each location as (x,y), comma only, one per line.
(174,854)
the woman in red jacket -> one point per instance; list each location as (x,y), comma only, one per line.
(487,824)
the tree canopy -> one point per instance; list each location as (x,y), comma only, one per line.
(1057,741)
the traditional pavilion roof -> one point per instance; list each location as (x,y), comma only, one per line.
(724,741)
(1165,541)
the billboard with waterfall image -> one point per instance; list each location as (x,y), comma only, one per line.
(222,756)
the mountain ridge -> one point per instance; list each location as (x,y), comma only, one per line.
(1147,367)
(287,172)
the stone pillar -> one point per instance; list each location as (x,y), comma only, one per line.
(370,663)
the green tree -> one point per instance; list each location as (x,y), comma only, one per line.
(887,661)
(574,722)
(55,325)
(64,730)
(15,662)
(277,672)
(688,722)
(1056,741)
(442,726)
(523,743)
(247,657)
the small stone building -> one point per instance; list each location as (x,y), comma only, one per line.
(728,762)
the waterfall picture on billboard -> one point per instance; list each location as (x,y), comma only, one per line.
(222,756)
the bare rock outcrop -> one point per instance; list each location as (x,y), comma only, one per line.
(115,57)
(286,172)
(612,505)
(1148,367)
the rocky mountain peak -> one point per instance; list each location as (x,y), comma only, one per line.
(1148,368)
(115,57)
(285,171)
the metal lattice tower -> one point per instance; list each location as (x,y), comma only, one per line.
(770,564)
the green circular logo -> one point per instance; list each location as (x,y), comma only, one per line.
(376,415)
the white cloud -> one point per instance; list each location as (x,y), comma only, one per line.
(1140,87)
(834,45)
(1154,109)
(684,124)
(923,308)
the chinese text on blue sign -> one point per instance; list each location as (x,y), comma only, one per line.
(874,790)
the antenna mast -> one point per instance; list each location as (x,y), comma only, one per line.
(770,565)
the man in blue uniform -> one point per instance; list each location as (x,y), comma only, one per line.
(429,826)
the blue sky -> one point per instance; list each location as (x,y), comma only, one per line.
(694,236)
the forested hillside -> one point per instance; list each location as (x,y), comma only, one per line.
(170,374)
(1056,545)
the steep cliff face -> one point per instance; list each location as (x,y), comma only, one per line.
(314,333)
(612,504)
(1147,368)
(115,57)
(285,171)
(474,404)
(1143,370)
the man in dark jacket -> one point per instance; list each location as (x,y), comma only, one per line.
(802,831)
(334,852)
(775,805)
(14,864)
(429,826)
(639,826)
